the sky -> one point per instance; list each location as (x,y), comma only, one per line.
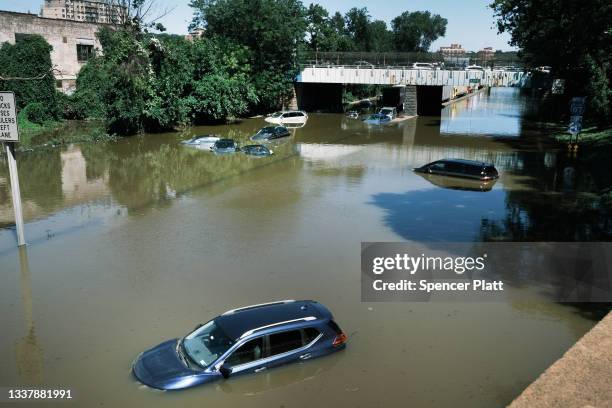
(470,22)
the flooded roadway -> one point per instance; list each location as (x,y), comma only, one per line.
(135,242)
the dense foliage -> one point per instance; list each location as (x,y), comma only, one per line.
(154,83)
(30,58)
(573,37)
(356,31)
(270,29)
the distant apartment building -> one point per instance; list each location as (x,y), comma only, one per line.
(195,34)
(486,54)
(91,11)
(454,55)
(455,50)
(73,41)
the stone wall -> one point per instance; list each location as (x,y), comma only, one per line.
(62,35)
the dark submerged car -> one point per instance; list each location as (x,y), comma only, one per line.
(257,150)
(271,133)
(225,146)
(460,168)
(250,339)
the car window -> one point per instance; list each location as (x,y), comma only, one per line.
(438,166)
(309,335)
(285,341)
(250,351)
(455,167)
(474,170)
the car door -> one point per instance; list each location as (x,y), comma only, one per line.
(285,347)
(248,358)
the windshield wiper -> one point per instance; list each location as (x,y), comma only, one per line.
(186,357)
(179,352)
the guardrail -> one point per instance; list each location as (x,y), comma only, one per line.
(402,67)
(403,76)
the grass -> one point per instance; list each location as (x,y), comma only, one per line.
(52,134)
(590,136)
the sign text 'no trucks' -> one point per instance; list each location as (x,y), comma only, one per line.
(8,118)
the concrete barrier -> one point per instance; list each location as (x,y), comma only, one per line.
(581,378)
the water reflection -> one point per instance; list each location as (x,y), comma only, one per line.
(28,352)
(455,183)
(439,214)
(151,171)
(236,228)
(279,377)
(498,113)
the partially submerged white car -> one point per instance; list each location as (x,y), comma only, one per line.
(285,117)
(204,142)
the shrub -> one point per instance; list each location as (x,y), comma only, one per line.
(37,113)
(29,58)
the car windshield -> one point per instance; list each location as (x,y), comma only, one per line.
(266,131)
(224,144)
(276,114)
(206,344)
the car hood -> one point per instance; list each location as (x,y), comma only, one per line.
(160,365)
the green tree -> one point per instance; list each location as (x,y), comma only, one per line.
(573,37)
(271,29)
(319,26)
(414,32)
(158,82)
(27,71)
(221,86)
(339,40)
(381,37)
(358,28)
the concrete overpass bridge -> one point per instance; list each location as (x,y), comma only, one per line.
(320,87)
(371,75)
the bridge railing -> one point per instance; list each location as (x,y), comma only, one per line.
(408,76)
(399,59)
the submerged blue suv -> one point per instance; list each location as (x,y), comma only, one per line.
(244,340)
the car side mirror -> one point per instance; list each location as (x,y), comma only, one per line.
(225,371)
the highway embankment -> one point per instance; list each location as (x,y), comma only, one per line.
(581,378)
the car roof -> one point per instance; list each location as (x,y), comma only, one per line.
(466,161)
(237,322)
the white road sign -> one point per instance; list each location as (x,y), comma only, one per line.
(8,118)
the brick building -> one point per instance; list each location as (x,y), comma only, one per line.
(73,42)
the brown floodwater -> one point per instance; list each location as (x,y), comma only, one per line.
(137,241)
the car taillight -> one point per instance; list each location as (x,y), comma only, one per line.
(339,340)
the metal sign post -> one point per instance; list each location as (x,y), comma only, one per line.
(575,126)
(9,134)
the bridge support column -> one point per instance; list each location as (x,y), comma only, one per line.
(429,100)
(319,96)
(411,106)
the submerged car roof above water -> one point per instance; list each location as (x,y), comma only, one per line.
(466,161)
(239,321)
